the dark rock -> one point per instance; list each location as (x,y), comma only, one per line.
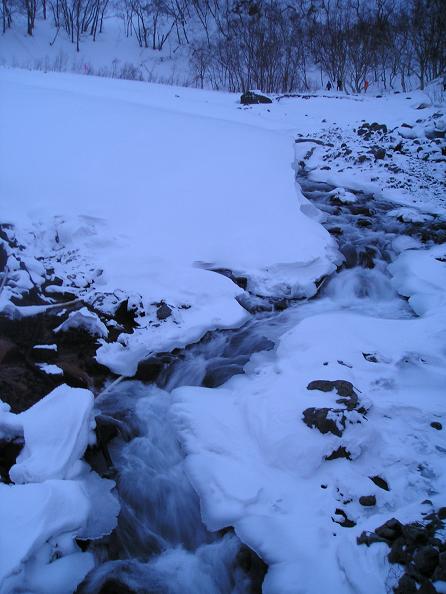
(3,257)
(346,522)
(415,534)
(426,559)
(9,450)
(370,357)
(250,98)
(43,355)
(149,370)
(364,223)
(114,586)
(367,500)
(390,530)
(239,280)
(369,538)
(218,375)
(253,566)
(399,553)
(164,311)
(440,571)
(436,425)
(406,585)
(317,418)
(125,316)
(442,513)
(378,152)
(341,452)
(380,482)
(342,387)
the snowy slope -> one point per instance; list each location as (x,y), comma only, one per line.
(149,196)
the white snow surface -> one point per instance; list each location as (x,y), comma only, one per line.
(55,498)
(56,431)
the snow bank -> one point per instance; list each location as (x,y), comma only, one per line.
(259,468)
(145,198)
(56,431)
(61,499)
(420,275)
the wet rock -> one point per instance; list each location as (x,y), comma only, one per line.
(380,482)
(114,586)
(343,388)
(250,98)
(367,500)
(218,375)
(426,560)
(240,281)
(149,369)
(436,425)
(163,311)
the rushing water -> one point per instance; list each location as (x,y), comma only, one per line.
(161,545)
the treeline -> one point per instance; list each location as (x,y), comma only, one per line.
(271,45)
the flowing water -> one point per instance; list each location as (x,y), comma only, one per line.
(161,545)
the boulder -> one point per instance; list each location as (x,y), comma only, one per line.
(251,98)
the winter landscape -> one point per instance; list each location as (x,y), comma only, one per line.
(222,297)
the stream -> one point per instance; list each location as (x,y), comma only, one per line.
(161,545)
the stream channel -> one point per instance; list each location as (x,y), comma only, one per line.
(161,545)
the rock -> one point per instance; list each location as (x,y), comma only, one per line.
(378,152)
(114,586)
(317,418)
(380,482)
(341,452)
(399,553)
(343,388)
(250,98)
(164,311)
(406,585)
(426,560)
(345,522)
(436,425)
(3,257)
(149,369)
(252,565)
(440,571)
(9,450)
(442,513)
(367,500)
(218,375)
(125,316)
(370,357)
(415,534)
(390,530)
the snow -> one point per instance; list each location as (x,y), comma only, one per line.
(258,468)
(50,369)
(55,498)
(148,210)
(151,190)
(85,320)
(56,431)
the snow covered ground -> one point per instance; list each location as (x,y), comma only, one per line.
(120,194)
